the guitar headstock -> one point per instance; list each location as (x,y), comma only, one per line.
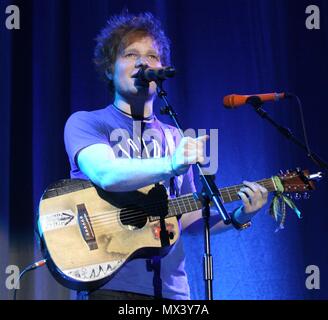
(298,180)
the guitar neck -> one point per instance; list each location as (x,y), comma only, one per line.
(188,203)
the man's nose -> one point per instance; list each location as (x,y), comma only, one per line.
(142,62)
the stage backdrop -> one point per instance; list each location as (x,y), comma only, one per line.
(218,48)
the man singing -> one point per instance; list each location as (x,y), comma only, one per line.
(137,158)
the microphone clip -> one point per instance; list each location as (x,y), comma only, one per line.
(255,101)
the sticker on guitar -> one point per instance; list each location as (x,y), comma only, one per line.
(156,229)
(57,220)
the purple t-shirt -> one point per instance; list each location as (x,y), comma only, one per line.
(130,138)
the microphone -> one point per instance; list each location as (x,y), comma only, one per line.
(236,100)
(154,74)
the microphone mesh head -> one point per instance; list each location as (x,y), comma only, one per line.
(169,72)
(228,101)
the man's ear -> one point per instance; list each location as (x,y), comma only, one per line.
(109,74)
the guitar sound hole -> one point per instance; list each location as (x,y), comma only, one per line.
(133,218)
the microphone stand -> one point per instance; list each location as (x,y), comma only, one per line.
(257,104)
(210,193)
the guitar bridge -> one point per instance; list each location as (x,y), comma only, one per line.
(86,227)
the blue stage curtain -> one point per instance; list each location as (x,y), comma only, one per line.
(218,48)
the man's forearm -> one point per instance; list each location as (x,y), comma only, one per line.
(131,174)
(220,227)
(193,222)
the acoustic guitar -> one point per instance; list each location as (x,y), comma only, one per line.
(88,234)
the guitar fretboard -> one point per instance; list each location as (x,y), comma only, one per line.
(189,202)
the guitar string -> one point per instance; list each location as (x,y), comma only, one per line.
(133,212)
(188,207)
(148,207)
(140,218)
(105,227)
(177,200)
(136,213)
(100,228)
(109,219)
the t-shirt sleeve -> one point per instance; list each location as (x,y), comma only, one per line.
(82,129)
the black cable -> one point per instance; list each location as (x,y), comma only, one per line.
(303,123)
(257,103)
(33,266)
(306,141)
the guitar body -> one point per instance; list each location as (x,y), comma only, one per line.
(87,234)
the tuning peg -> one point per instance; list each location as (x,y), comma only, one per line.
(306,196)
(316,176)
(281,172)
(298,169)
